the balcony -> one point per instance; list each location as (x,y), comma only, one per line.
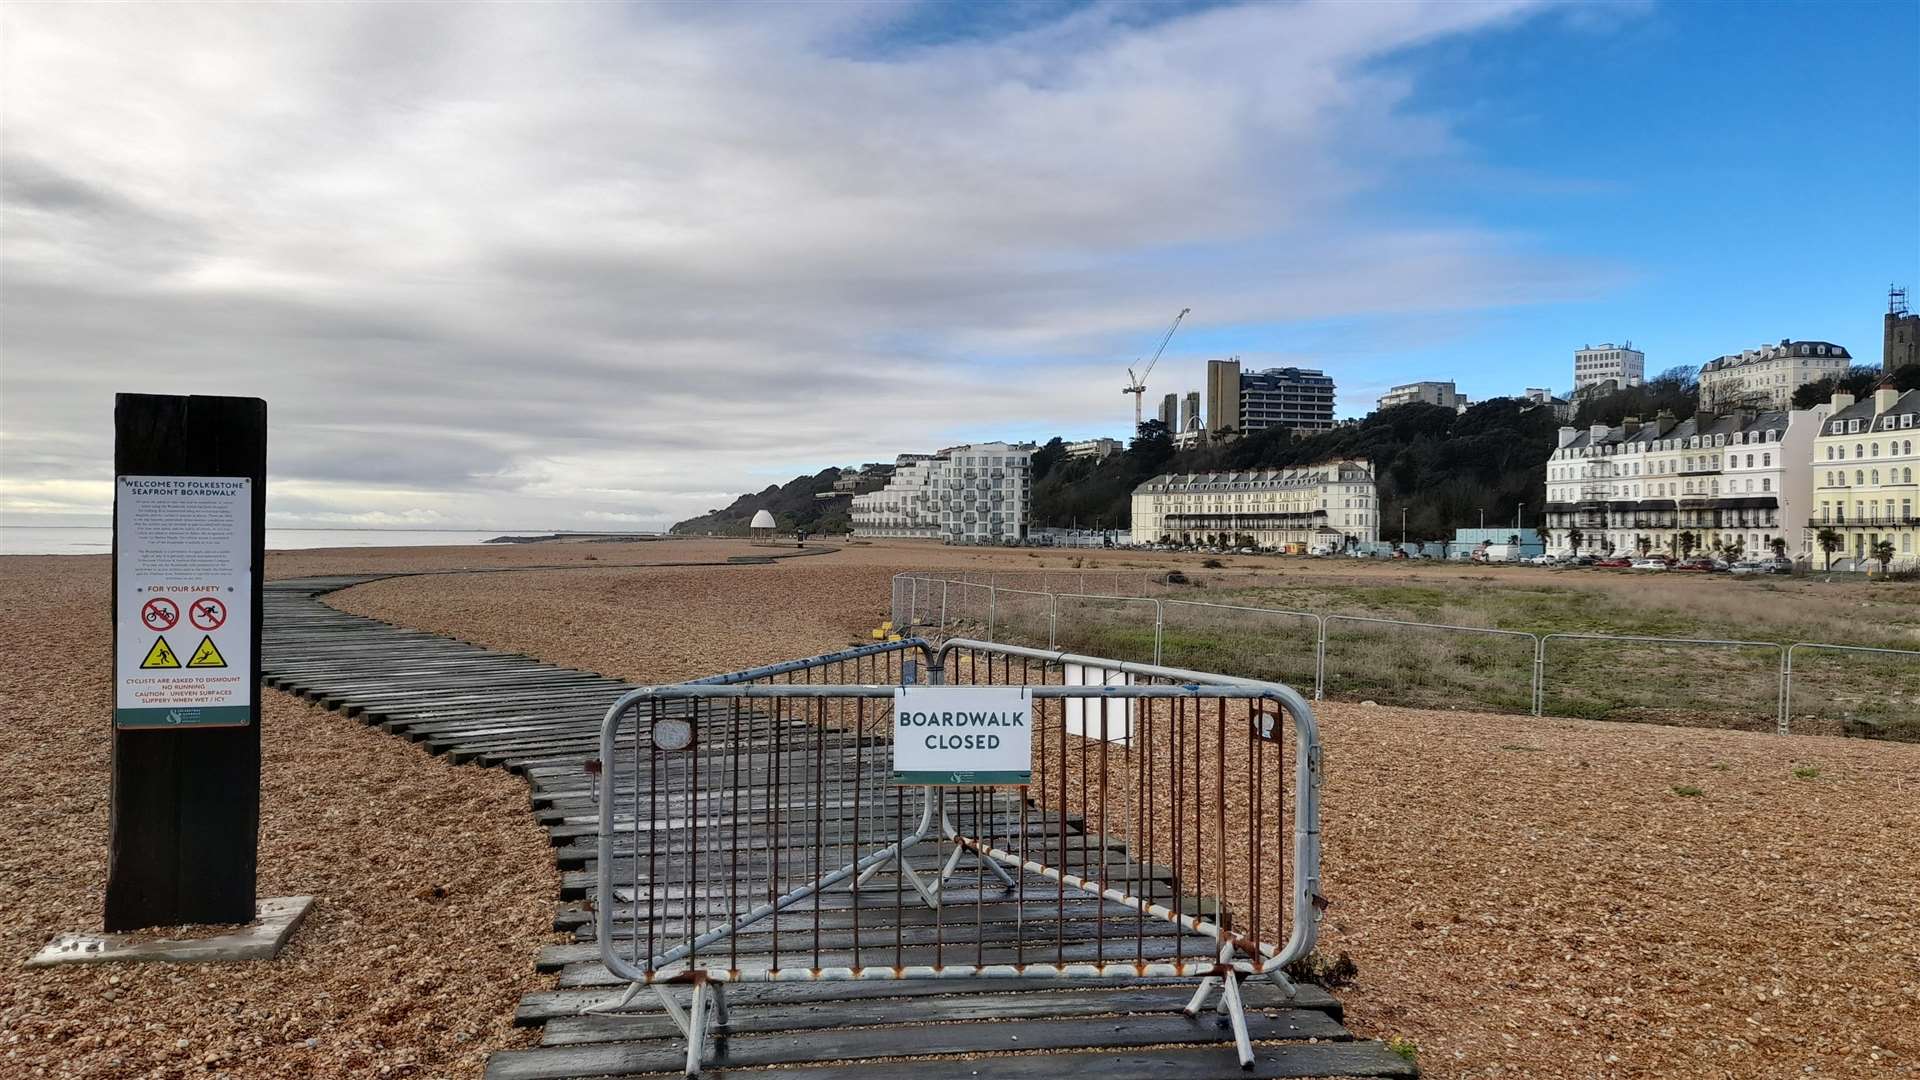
(1858,521)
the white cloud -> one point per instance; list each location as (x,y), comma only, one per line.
(536,266)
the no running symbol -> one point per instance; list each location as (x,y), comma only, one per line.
(207,613)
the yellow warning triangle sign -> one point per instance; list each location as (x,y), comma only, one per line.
(160,656)
(207,655)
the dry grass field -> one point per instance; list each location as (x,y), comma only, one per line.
(1553,898)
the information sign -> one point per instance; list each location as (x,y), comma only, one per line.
(963,735)
(185,544)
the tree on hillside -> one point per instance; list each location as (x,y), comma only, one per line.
(1675,390)
(1858,380)
(1045,458)
(1830,542)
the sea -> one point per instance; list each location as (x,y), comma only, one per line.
(98,540)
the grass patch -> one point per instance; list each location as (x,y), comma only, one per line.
(1404,1046)
(1688,791)
(1517,746)
(1720,766)
(1806,772)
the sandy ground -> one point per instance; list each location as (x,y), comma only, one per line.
(434,887)
(1522,897)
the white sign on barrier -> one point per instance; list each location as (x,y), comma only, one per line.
(1099,718)
(962,735)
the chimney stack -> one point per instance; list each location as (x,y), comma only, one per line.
(1841,399)
(1567,435)
(1597,432)
(1883,398)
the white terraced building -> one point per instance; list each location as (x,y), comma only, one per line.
(1734,482)
(905,507)
(1867,475)
(974,494)
(1766,377)
(1330,504)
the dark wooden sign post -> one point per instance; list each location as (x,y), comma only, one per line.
(189,531)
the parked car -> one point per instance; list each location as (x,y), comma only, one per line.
(1699,564)
(1648,564)
(1780,563)
(1542,560)
(1747,568)
(1614,563)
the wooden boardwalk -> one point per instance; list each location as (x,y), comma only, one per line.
(542,721)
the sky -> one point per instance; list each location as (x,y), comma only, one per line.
(595,266)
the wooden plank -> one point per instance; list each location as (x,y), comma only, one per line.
(911,1040)
(1051,1003)
(1272,1061)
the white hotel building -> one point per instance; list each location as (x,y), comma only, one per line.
(1865,472)
(1329,504)
(1766,377)
(974,494)
(1743,479)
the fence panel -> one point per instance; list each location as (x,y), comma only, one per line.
(966,609)
(1851,690)
(1122,627)
(1251,642)
(1690,682)
(1427,665)
(1022,617)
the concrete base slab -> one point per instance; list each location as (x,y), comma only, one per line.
(274,920)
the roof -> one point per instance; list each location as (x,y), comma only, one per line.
(1908,402)
(762,520)
(1786,348)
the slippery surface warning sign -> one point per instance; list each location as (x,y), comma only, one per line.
(185,545)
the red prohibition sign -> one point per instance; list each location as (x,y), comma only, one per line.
(160,613)
(207,613)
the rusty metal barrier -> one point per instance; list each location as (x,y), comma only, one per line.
(754,827)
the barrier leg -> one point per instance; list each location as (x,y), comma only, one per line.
(1237,1014)
(697,1029)
(1199,999)
(626,999)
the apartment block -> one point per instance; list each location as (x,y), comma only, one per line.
(1766,377)
(1431,393)
(1300,399)
(1329,505)
(973,494)
(1739,481)
(1865,467)
(1622,363)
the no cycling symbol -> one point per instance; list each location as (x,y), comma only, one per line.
(207,613)
(160,613)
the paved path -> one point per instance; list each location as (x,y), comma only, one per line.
(510,711)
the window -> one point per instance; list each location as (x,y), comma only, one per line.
(1859,477)
(1858,450)
(1766,460)
(1766,483)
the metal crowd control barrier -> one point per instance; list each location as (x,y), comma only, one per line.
(751,831)
(1786,671)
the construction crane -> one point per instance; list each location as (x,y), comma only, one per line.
(1137,384)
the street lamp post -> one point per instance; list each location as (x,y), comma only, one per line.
(1403,528)
(1483,517)
(1518,515)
